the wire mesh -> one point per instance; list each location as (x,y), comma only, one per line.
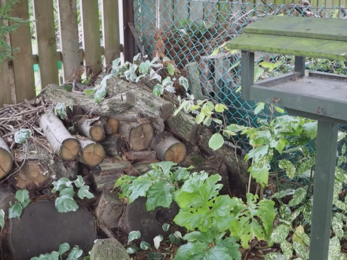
(193,34)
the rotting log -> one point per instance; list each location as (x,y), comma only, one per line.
(6,159)
(107,168)
(92,128)
(113,124)
(105,182)
(112,145)
(138,156)
(92,153)
(109,210)
(61,141)
(168,148)
(138,135)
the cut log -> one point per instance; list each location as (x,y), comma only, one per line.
(108,249)
(184,127)
(61,141)
(168,148)
(138,135)
(143,167)
(138,156)
(93,129)
(109,209)
(113,124)
(92,153)
(41,229)
(114,167)
(6,159)
(112,145)
(105,182)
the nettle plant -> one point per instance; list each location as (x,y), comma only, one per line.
(215,222)
(142,71)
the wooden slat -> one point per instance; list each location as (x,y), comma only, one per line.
(91,34)
(69,37)
(110,30)
(5,96)
(165,14)
(196,10)
(180,11)
(22,64)
(46,43)
(129,42)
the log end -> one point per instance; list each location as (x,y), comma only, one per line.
(141,136)
(69,149)
(113,124)
(6,162)
(93,154)
(97,133)
(170,149)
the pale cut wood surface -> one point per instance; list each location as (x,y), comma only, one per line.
(69,36)
(23,61)
(46,43)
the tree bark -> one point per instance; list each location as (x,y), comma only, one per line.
(93,129)
(138,135)
(6,159)
(113,145)
(138,156)
(61,141)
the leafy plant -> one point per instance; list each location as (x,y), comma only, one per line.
(65,201)
(75,253)
(16,209)
(22,135)
(60,110)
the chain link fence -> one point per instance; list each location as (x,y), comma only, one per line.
(193,34)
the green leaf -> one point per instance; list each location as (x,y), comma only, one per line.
(220,108)
(278,144)
(216,141)
(2,218)
(131,249)
(159,194)
(144,68)
(191,220)
(79,182)
(60,110)
(133,235)
(275,256)
(63,248)
(298,197)
(194,107)
(337,226)
(183,105)
(287,249)
(166,226)
(280,110)
(69,192)
(166,167)
(139,188)
(15,210)
(170,69)
(231,246)
(184,82)
(297,236)
(301,250)
(60,184)
(158,90)
(22,135)
(335,250)
(174,239)
(215,51)
(23,197)
(99,94)
(267,213)
(190,250)
(260,173)
(280,233)
(75,253)
(84,192)
(257,72)
(217,253)
(288,167)
(65,204)
(199,118)
(258,152)
(260,106)
(144,245)
(157,240)
(154,256)
(207,121)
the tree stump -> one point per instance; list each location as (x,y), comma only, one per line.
(108,249)
(41,229)
(6,159)
(138,135)
(92,153)
(93,129)
(61,141)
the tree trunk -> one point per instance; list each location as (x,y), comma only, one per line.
(93,129)
(113,145)
(92,153)
(6,159)
(138,135)
(61,141)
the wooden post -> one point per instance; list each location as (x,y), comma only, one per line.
(129,41)
(45,33)
(324,178)
(23,62)
(110,30)
(247,61)
(5,97)
(69,42)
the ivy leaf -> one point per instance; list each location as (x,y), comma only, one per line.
(79,182)
(99,94)
(216,141)
(132,249)
(144,245)
(166,226)
(184,82)
(22,135)
(2,218)
(158,90)
(15,210)
(63,248)
(174,239)
(144,68)
(75,253)
(288,167)
(184,104)
(139,188)
(157,241)
(298,197)
(170,69)
(159,194)
(133,235)
(84,192)
(220,108)
(69,192)
(23,197)
(61,184)
(65,204)
(280,233)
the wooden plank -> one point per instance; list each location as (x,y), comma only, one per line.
(5,97)
(129,41)
(110,30)
(335,50)
(196,10)
(22,64)
(69,42)
(180,12)
(91,34)
(165,14)
(325,29)
(46,43)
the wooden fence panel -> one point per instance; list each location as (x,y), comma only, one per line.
(110,30)
(91,34)
(180,11)
(5,89)
(69,42)
(23,60)
(196,10)
(46,43)
(165,14)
